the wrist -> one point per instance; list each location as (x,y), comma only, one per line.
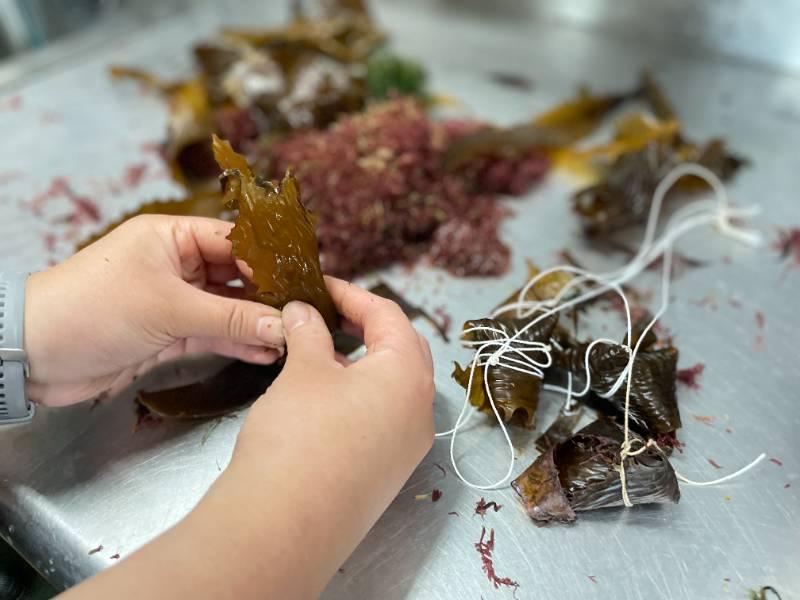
(35,337)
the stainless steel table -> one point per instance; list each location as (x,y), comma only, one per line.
(79,478)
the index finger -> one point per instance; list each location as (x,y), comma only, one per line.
(383,323)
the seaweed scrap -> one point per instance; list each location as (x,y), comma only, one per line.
(234,387)
(485,549)
(274,234)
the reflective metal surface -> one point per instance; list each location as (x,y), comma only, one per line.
(80,478)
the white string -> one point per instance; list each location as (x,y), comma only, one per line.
(493,353)
(728,477)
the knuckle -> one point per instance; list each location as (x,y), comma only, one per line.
(390,306)
(141,222)
(236,320)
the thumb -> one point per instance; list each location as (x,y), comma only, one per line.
(203,314)
(307,336)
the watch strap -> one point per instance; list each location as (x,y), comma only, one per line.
(14,405)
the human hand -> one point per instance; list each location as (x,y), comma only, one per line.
(151,290)
(320,456)
(323,452)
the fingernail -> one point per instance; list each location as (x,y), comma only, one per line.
(270,331)
(295,314)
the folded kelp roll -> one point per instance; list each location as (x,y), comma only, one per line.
(582,474)
(653,403)
(515,392)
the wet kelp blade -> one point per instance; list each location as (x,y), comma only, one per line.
(274,234)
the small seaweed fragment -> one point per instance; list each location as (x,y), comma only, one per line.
(515,394)
(234,387)
(788,245)
(511,80)
(274,234)
(582,474)
(761,594)
(482,507)
(390,75)
(690,375)
(485,549)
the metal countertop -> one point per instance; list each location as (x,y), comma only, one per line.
(80,478)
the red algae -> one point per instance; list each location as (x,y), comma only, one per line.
(378,185)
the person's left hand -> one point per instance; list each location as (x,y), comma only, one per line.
(151,290)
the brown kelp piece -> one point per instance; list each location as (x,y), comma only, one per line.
(274,234)
(581,474)
(624,196)
(653,403)
(560,430)
(554,129)
(546,288)
(515,394)
(234,387)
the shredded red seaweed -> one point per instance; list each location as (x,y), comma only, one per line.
(485,549)
(690,375)
(592,578)
(114,556)
(776,461)
(379,187)
(482,507)
(713,463)
(435,495)
(96,550)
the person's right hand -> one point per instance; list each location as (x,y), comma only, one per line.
(326,449)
